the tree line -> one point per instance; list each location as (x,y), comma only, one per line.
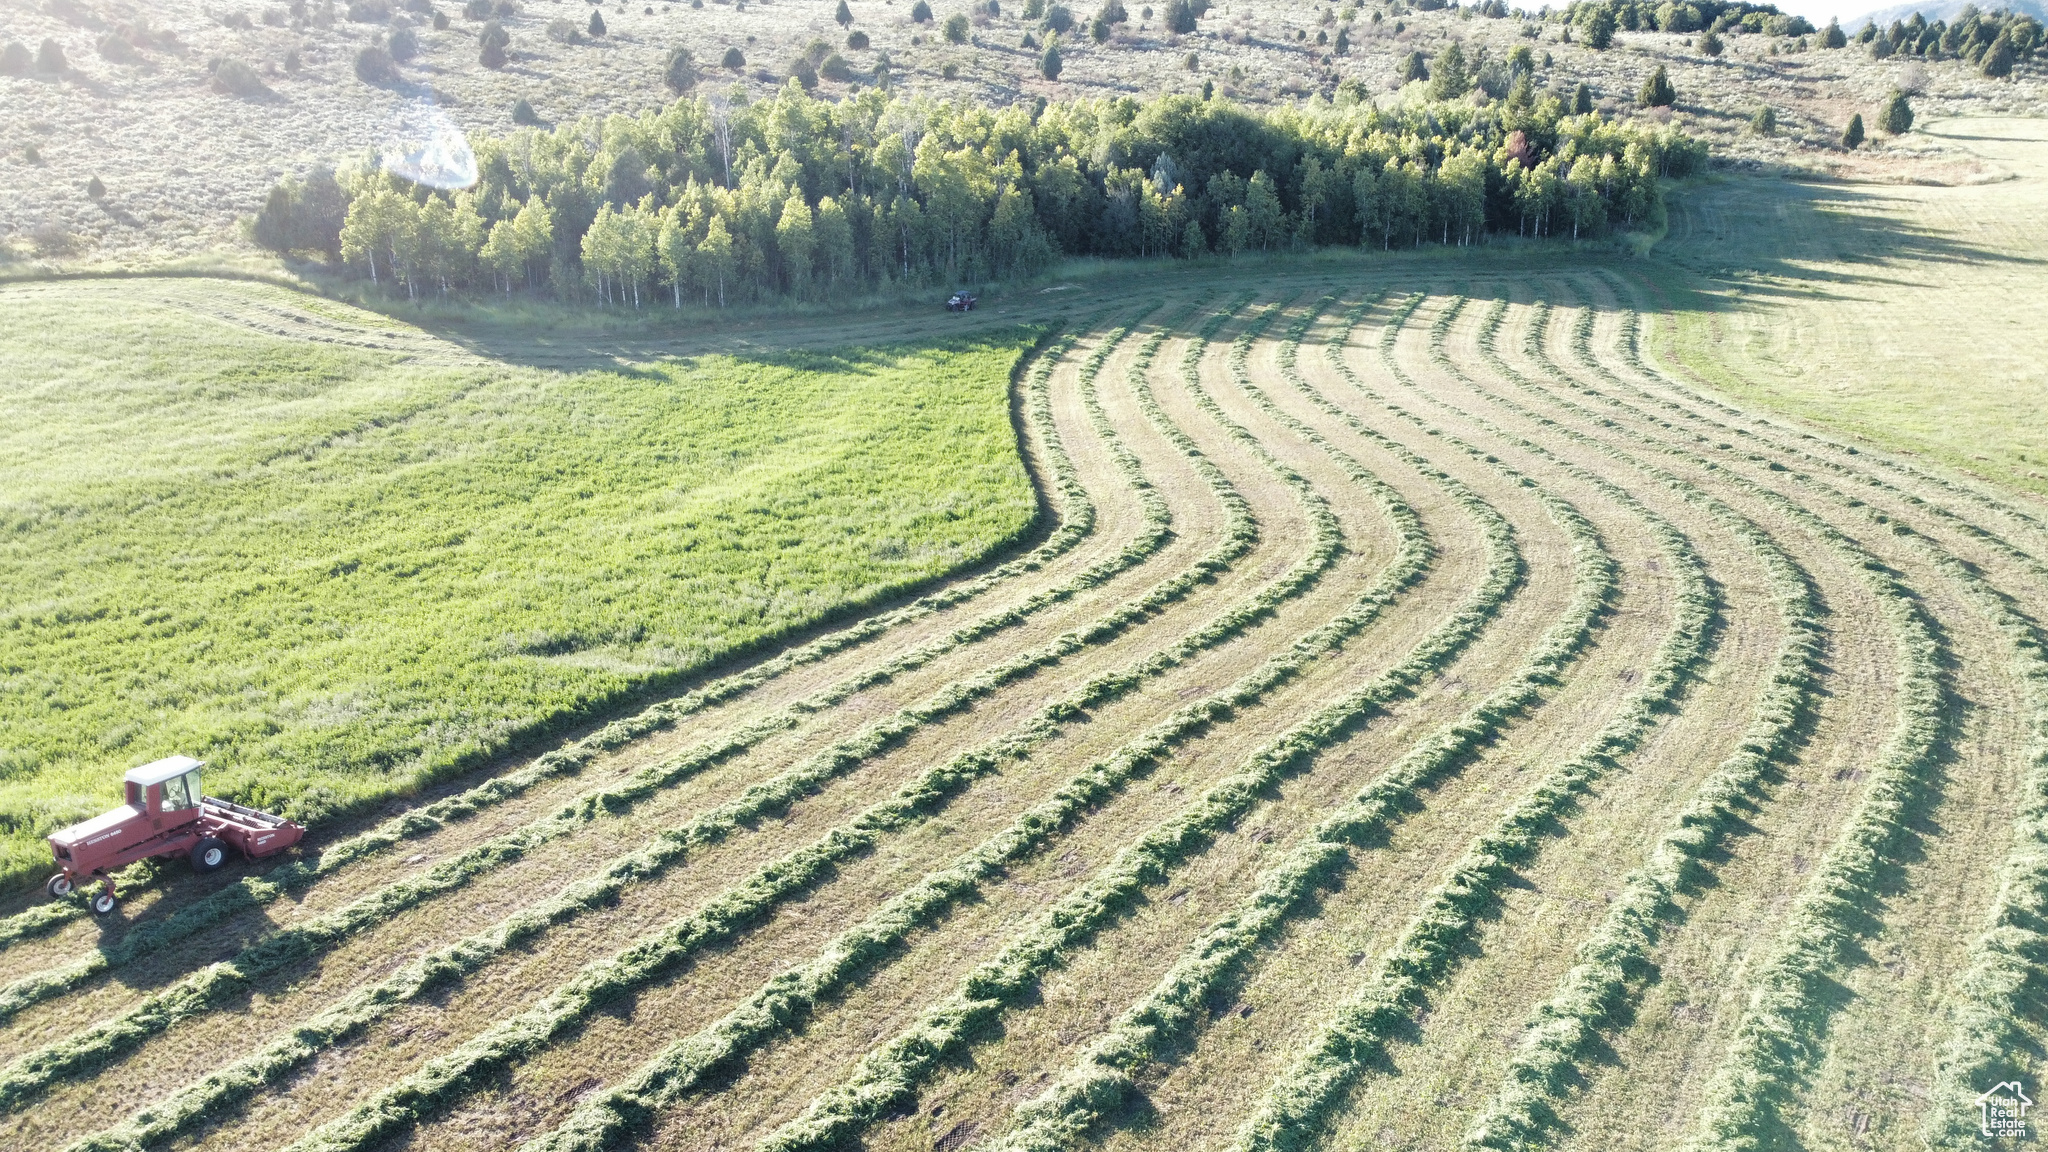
(714,202)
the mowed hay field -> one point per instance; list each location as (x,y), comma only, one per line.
(1457,702)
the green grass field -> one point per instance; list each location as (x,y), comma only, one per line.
(339,572)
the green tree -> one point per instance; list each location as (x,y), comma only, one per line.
(1412,68)
(1180,17)
(956,28)
(492,42)
(680,71)
(1596,26)
(675,249)
(1448,78)
(795,239)
(1833,36)
(1265,221)
(1896,117)
(1582,99)
(1034,9)
(1657,91)
(1998,59)
(714,259)
(1852,136)
(920,13)
(1049,63)
(596,22)
(1710,44)
(1765,122)
(734,59)
(844,15)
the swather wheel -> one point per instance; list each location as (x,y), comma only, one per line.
(60,885)
(103,903)
(208,854)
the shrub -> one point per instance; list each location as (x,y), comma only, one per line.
(680,71)
(115,47)
(949,70)
(564,31)
(1896,117)
(733,59)
(375,66)
(369,11)
(1050,64)
(50,57)
(234,78)
(477,9)
(1657,91)
(596,28)
(1852,136)
(523,113)
(920,13)
(15,59)
(492,40)
(857,41)
(955,28)
(405,44)
(440,20)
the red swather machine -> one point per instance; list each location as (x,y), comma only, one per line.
(165,816)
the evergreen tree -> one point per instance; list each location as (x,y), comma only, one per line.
(1582,99)
(734,59)
(1180,17)
(1852,136)
(1896,117)
(680,72)
(1998,59)
(844,15)
(1834,37)
(920,13)
(50,57)
(1050,64)
(1448,79)
(492,40)
(1765,122)
(1412,68)
(1596,25)
(596,22)
(1657,91)
(956,28)
(1710,44)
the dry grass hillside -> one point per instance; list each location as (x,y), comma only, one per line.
(186,146)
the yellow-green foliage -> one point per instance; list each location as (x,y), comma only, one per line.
(336,574)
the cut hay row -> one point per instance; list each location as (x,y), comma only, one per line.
(1075,516)
(1779,1033)
(206,1099)
(1168,1018)
(449,1078)
(2008,956)
(1294,1108)
(1986,500)
(894,1070)
(1594,997)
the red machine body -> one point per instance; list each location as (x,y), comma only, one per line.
(165,816)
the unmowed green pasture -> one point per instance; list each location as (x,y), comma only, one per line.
(1907,314)
(338,573)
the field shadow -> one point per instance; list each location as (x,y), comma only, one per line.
(1810,239)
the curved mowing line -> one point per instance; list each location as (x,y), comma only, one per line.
(1983,499)
(1179,1005)
(448,1079)
(894,1070)
(206,1099)
(1631,353)
(79,1054)
(2007,957)
(1595,995)
(1077,523)
(1296,1107)
(1780,1033)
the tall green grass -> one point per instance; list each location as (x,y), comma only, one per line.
(339,576)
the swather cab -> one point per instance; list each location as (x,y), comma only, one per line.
(166,815)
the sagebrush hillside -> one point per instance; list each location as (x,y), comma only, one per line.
(166,124)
